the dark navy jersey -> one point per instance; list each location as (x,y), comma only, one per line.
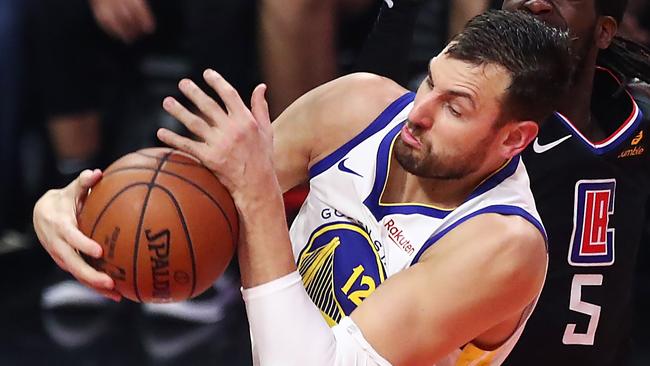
(591,196)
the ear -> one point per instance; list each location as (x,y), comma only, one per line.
(606,29)
(517,135)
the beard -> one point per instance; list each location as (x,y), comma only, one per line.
(427,164)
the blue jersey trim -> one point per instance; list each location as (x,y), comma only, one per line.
(377,125)
(496,178)
(379,210)
(500,209)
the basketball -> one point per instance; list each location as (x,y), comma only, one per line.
(167,226)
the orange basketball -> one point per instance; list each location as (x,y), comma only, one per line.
(167,226)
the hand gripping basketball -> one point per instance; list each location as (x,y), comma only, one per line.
(235,143)
(167,226)
(55,223)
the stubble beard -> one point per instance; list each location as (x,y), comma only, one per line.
(433,166)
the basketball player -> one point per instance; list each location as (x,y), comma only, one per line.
(420,200)
(590,175)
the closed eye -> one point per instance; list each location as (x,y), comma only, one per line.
(454,112)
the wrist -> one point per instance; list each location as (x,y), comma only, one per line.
(260,195)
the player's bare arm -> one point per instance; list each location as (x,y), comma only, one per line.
(477,280)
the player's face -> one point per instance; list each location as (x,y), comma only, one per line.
(451,130)
(577,16)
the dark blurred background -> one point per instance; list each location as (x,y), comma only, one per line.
(81,83)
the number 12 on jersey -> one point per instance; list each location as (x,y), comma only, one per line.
(358,296)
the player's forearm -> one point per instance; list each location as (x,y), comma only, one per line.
(305,338)
(264,250)
(276,299)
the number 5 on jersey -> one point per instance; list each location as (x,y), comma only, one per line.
(591,310)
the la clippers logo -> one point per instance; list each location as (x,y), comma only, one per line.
(592,242)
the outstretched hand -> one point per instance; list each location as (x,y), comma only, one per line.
(55,223)
(236,143)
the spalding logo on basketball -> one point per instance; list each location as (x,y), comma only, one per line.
(167,226)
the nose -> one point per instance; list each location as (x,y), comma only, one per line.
(539,7)
(421,116)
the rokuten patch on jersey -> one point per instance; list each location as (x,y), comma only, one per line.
(340,268)
(592,242)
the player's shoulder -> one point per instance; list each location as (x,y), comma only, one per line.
(511,232)
(361,93)
(344,107)
(365,82)
(508,248)
(515,244)
(347,101)
(496,235)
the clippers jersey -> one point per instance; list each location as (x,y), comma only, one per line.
(592,199)
(347,242)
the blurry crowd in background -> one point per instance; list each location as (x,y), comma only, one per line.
(81,83)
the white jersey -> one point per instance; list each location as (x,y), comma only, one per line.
(347,242)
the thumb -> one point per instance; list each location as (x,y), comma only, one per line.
(86,180)
(259,106)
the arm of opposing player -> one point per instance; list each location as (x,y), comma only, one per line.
(482,274)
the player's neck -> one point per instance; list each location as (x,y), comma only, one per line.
(577,107)
(403,187)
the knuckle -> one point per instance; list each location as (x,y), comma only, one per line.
(61,265)
(213,162)
(250,125)
(184,145)
(195,123)
(75,272)
(49,218)
(67,234)
(230,92)
(84,274)
(59,262)
(213,111)
(239,135)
